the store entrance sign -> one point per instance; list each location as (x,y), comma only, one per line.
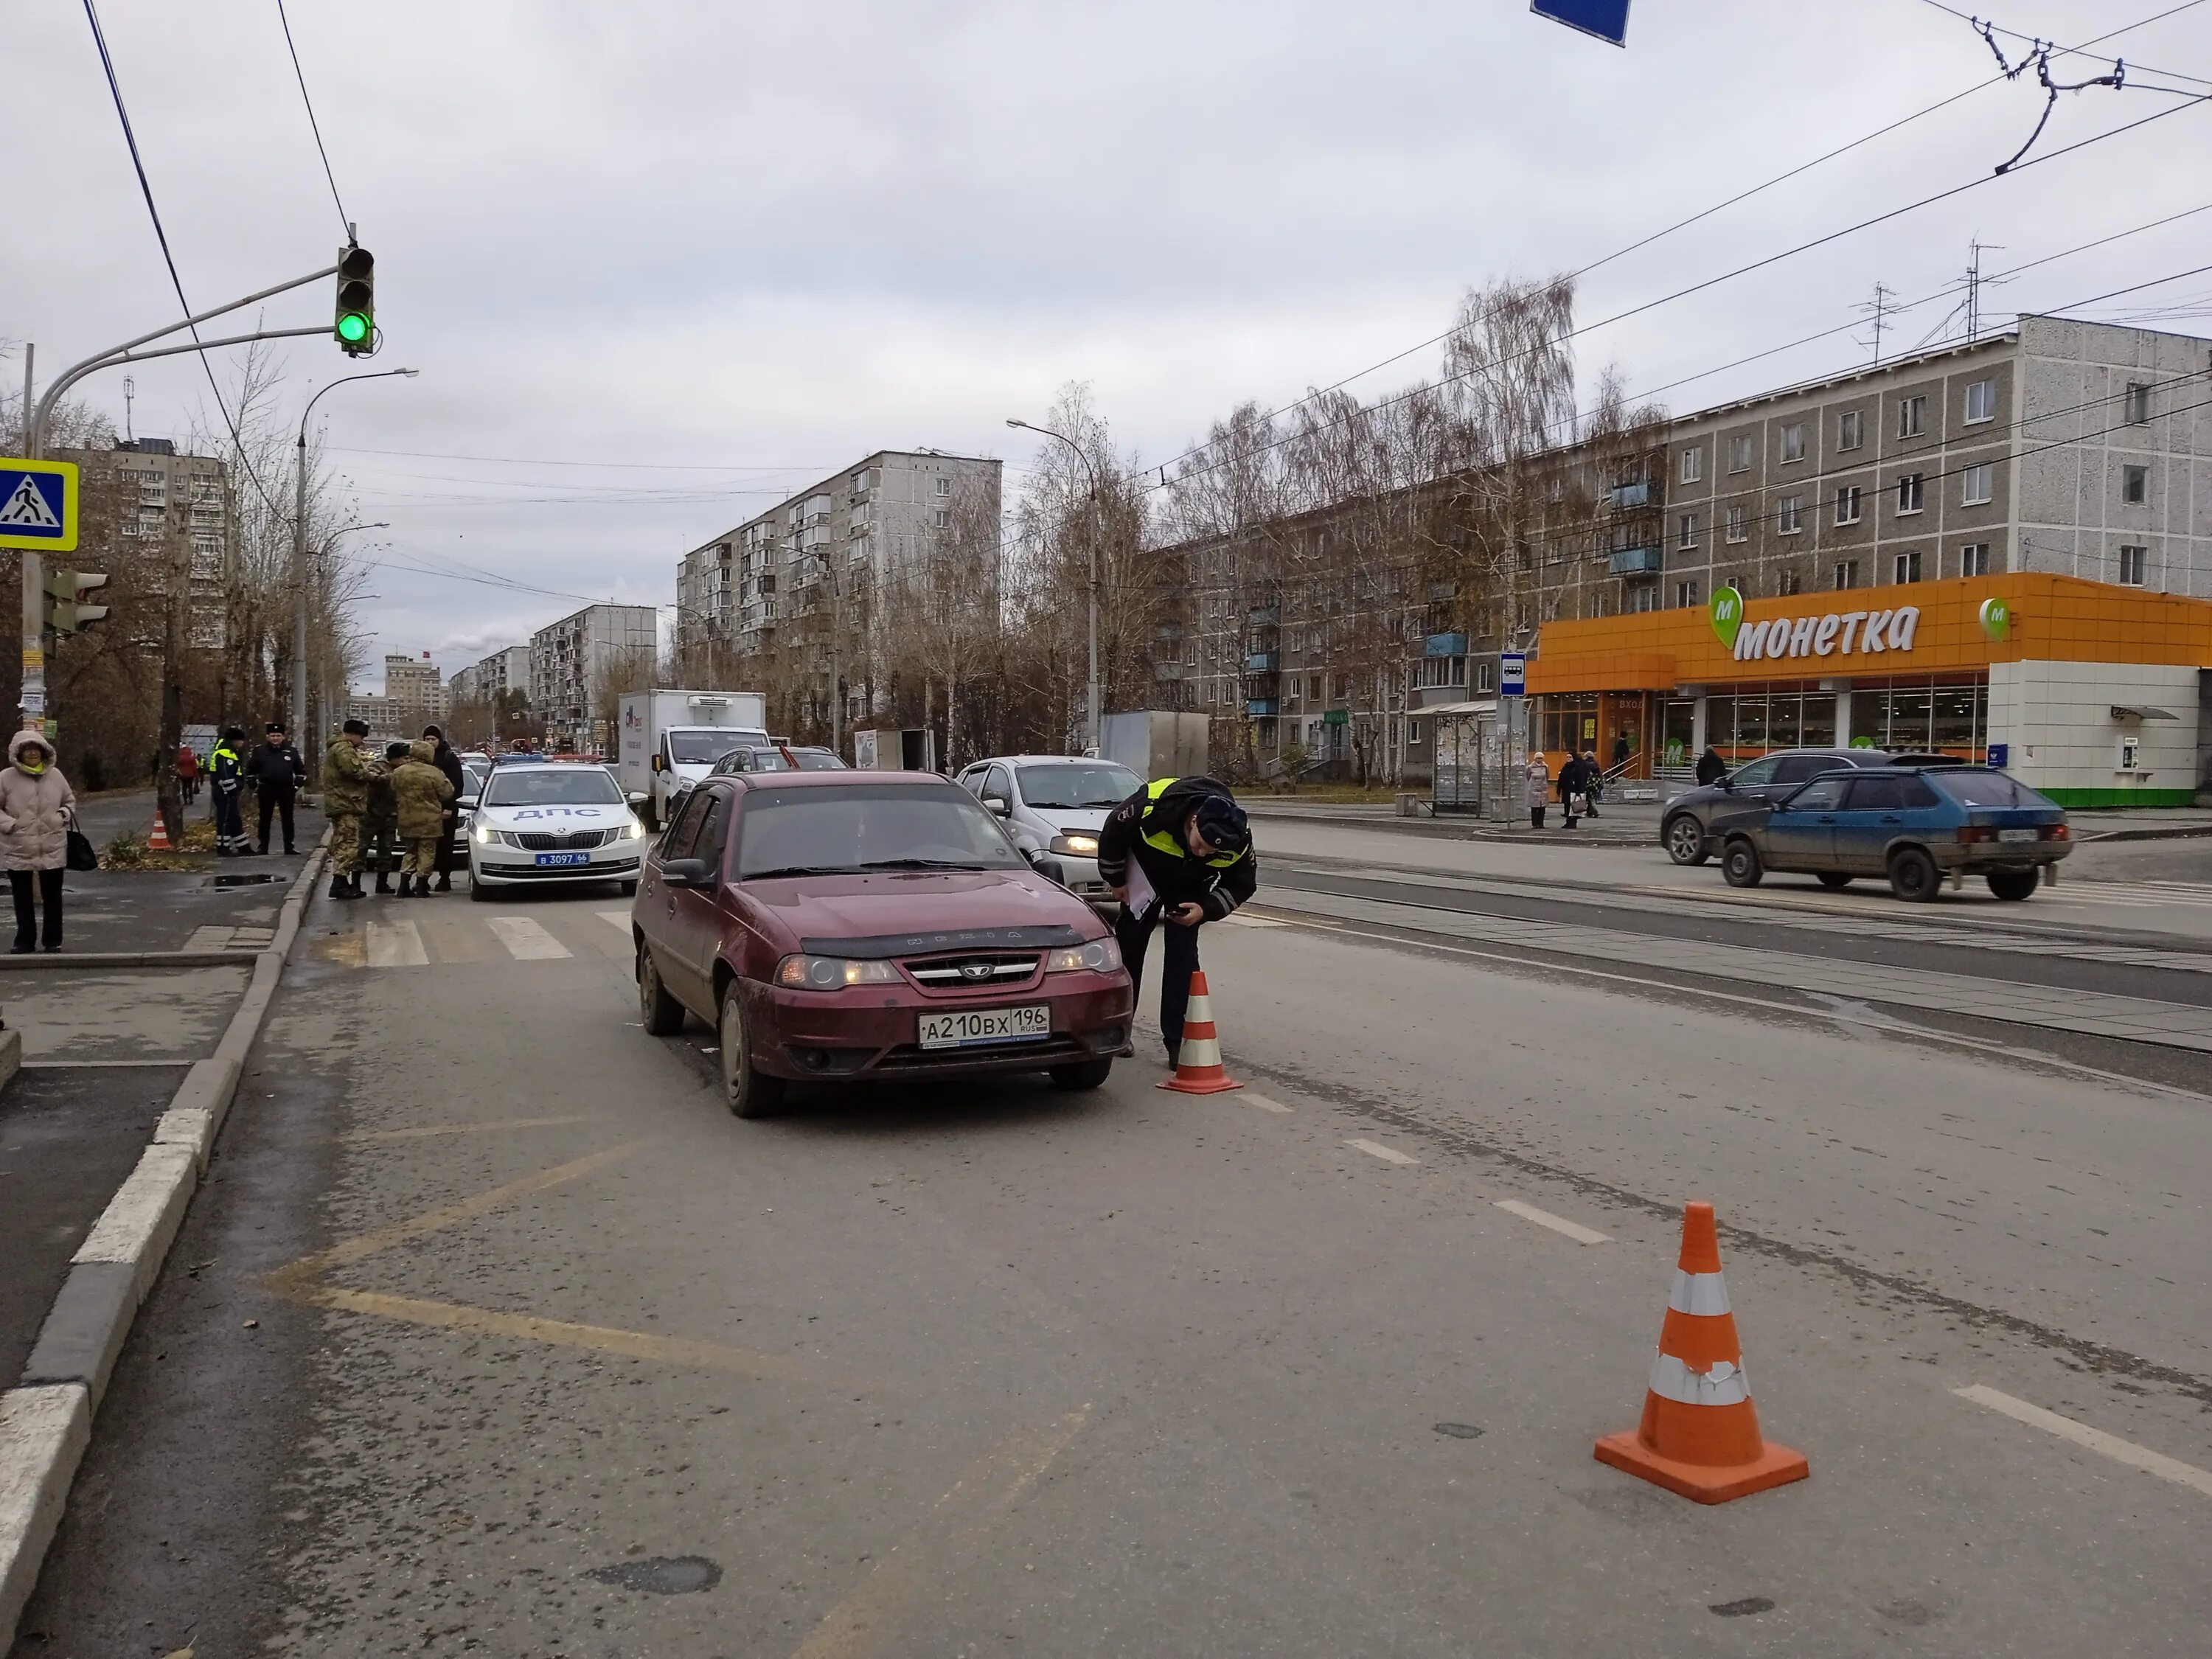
(1847,633)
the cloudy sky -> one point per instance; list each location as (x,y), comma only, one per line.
(662,264)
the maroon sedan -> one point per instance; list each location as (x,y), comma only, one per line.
(869,926)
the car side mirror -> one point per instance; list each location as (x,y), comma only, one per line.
(1050,868)
(656,764)
(688,872)
(997,804)
(637,798)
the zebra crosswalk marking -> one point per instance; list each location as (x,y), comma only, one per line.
(458,941)
(395,945)
(525,939)
(618,918)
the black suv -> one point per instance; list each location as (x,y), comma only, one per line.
(1687,830)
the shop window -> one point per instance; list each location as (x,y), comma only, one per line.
(1793,442)
(2135,485)
(1851,429)
(1694,464)
(1571,722)
(1789,517)
(1974,559)
(1738,455)
(1979,485)
(1981,402)
(1957,719)
(1847,573)
(2134,562)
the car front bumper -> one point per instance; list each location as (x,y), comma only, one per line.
(493,865)
(870,1033)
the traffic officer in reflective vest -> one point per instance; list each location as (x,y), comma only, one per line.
(230,768)
(1178,851)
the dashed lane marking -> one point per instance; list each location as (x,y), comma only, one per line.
(395,945)
(1376,1149)
(525,939)
(1557,1223)
(1256,922)
(459,1128)
(2095,1440)
(1246,1097)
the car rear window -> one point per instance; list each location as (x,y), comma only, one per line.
(1989,789)
(799,830)
(1891,794)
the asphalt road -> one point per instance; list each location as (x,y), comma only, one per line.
(494,1334)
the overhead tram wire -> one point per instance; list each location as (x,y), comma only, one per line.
(623,466)
(314,125)
(1724,277)
(1706,213)
(146,190)
(2082,51)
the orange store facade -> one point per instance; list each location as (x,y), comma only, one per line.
(2093,693)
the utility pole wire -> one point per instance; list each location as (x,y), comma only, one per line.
(146,190)
(314,125)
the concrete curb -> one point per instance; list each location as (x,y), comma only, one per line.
(46,1423)
(58,964)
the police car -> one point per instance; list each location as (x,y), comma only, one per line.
(552,822)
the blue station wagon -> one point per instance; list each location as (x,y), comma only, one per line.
(1912,824)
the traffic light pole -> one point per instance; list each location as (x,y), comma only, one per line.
(32,702)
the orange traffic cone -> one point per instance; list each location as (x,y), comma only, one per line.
(158,841)
(1198,1061)
(1700,1436)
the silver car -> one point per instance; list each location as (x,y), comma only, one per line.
(1056,804)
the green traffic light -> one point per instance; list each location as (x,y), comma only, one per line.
(353,328)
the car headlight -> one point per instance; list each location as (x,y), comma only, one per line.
(832,973)
(1101,956)
(485,835)
(637,831)
(1081,846)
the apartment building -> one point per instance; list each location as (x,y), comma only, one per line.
(2059,448)
(494,677)
(786,577)
(147,507)
(570,661)
(413,695)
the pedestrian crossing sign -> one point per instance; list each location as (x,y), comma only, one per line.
(37,505)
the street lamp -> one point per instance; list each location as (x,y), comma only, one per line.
(300,549)
(1091,693)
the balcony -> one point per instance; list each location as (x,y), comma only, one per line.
(1445,645)
(1262,662)
(1636,562)
(1263,615)
(1170,671)
(1631,495)
(1262,706)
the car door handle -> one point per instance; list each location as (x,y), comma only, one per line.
(1891,818)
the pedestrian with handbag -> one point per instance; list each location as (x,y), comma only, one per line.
(37,811)
(1540,788)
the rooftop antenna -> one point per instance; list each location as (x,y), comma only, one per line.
(1975,249)
(129,391)
(1880,308)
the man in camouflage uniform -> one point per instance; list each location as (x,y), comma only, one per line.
(345,798)
(421,791)
(379,825)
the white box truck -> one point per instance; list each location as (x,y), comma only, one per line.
(1156,743)
(672,740)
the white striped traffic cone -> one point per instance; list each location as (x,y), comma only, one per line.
(1198,1061)
(158,840)
(1700,1436)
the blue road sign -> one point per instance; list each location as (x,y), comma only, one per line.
(1605,19)
(37,505)
(1513,674)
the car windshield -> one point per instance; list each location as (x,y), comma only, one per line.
(808,831)
(1989,789)
(697,748)
(551,786)
(1087,785)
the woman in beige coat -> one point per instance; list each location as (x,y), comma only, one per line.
(35,804)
